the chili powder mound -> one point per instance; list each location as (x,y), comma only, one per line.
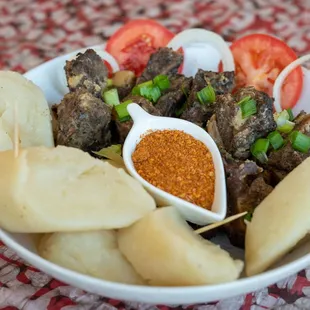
(178,164)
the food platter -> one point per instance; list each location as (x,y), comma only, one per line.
(50,78)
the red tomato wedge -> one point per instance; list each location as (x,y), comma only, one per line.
(133,43)
(259,58)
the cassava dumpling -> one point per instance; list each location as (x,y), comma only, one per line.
(92,253)
(63,189)
(279,222)
(34,117)
(165,251)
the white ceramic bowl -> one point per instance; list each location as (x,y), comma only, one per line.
(46,76)
(144,122)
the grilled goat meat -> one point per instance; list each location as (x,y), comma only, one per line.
(174,97)
(239,134)
(87,71)
(123,128)
(286,159)
(246,188)
(163,61)
(83,121)
(222,83)
(247,185)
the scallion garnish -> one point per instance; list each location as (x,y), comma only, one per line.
(275,140)
(122,112)
(137,89)
(284,121)
(291,115)
(162,82)
(148,90)
(247,106)
(110,97)
(287,127)
(151,92)
(109,82)
(300,142)
(206,95)
(259,149)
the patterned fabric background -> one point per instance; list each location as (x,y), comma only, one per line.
(32,32)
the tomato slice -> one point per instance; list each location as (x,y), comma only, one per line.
(259,58)
(133,43)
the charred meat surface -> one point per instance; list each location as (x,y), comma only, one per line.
(123,128)
(222,83)
(83,122)
(87,71)
(246,188)
(239,134)
(175,96)
(163,61)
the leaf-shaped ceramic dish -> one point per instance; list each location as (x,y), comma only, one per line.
(143,123)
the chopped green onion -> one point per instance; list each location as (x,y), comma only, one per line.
(284,121)
(248,216)
(247,106)
(287,127)
(300,142)
(110,82)
(291,115)
(206,95)
(281,117)
(162,81)
(122,112)
(124,119)
(259,149)
(275,140)
(137,89)
(152,93)
(110,97)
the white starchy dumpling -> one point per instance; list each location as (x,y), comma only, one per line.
(64,189)
(92,253)
(34,118)
(279,222)
(165,251)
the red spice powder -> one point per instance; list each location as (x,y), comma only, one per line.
(177,163)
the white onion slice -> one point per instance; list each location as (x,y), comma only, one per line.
(197,35)
(277,87)
(62,85)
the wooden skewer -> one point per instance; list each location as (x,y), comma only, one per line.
(16,132)
(217,224)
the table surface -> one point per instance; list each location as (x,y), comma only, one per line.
(31,32)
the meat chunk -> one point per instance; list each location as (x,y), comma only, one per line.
(239,134)
(247,185)
(175,96)
(83,122)
(163,61)
(222,83)
(87,71)
(246,188)
(286,159)
(123,128)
